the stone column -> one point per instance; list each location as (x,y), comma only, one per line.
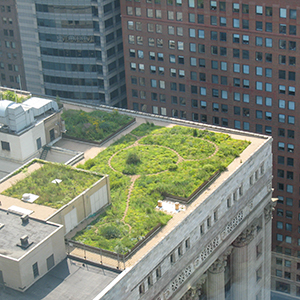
(240,263)
(267,249)
(215,280)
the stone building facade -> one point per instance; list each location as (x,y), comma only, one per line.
(219,248)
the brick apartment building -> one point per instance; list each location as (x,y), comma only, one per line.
(232,64)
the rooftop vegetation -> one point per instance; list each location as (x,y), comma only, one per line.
(144,165)
(10,95)
(95,125)
(73,182)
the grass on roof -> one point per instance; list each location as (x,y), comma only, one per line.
(95,125)
(55,195)
(183,159)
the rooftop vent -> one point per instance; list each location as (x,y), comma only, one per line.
(27,197)
(24,242)
(1,225)
(25,219)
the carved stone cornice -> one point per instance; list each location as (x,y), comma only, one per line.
(246,236)
(268,210)
(220,263)
(218,266)
(195,290)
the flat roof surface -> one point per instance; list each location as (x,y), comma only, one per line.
(48,172)
(6,167)
(13,230)
(68,280)
(37,102)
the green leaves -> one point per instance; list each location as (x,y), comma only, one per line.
(95,125)
(203,153)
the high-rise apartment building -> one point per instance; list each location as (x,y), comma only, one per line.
(233,64)
(65,49)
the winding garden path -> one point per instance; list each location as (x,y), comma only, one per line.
(133,178)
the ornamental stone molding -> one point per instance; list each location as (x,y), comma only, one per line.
(268,211)
(232,224)
(180,278)
(195,290)
(246,236)
(219,265)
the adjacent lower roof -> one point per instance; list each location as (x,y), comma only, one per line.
(12,229)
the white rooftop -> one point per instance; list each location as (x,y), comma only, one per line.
(36,102)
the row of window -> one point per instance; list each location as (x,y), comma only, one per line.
(223,94)
(259,128)
(237,82)
(244,24)
(5,8)
(9,55)
(259,10)
(157,272)
(236,7)
(74,53)
(9,44)
(290,147)
(244,8)
(287,251)
(10,67)
(280,225)
(288,239)
(224,122)
(288,213)
(288,201)
(8,32)
(75,95)
(74,81)
(282,59)
(11,78)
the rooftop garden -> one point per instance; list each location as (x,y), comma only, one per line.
(95,125)
(145,164)
(73,182)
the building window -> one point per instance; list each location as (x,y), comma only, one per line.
(35,270)
(187,243)
(5,146)
(279,237)
(293,14)
(142,289)
(172,258)
(279,225)
(259,274)
(282,13)
(50,262)
(259,10)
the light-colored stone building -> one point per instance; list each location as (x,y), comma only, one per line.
(26,127)
(29,248)
(220,247)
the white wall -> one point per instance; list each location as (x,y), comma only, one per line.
(18,273)
(24,146)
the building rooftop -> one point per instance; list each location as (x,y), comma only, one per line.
(68,280)
(54,184)
(13,229)
(17,118)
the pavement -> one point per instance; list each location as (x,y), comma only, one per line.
(6,167)
(69,280)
